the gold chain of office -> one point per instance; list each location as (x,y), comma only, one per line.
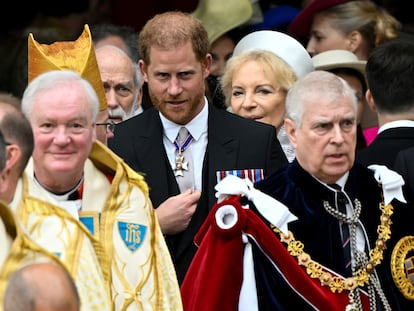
(361,276)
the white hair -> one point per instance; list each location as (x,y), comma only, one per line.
(49,80)
(322,84)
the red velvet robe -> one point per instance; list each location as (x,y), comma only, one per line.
(215,277)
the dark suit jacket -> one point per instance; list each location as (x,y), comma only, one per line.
(404,165)
(385,147)
(233,143)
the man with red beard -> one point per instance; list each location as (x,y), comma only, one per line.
(175,63)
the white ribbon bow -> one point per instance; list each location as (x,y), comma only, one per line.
(391,181)
(274,211)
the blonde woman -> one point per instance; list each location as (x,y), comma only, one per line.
(257,78)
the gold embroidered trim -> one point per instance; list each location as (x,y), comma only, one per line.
(336,283)
(398,257)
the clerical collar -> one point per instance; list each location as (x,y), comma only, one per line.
(62,196)
(196,126)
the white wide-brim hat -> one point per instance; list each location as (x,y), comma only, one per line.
(282,45)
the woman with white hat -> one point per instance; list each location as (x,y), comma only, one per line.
(264,66)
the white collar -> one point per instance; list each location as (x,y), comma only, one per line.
(196,126)
(341,181)
(394,124)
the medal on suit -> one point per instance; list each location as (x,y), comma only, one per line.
(180,164)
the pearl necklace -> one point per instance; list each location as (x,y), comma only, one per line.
(360,277)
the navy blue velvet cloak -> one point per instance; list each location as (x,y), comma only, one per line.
(319,231)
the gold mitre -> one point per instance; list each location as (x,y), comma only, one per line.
(76,55)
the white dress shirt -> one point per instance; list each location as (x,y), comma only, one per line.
(198,129)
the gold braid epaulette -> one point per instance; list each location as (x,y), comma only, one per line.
(336,283)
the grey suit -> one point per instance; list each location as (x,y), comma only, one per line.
(233,143)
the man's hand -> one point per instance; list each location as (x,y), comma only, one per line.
(175,213)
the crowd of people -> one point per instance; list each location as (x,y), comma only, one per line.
(212,160)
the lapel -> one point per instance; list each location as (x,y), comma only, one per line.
(153,160)
(221,153)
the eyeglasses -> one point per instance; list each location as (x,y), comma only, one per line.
(110,126)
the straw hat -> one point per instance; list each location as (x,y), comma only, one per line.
(334,59)
(221,16)
(301,24)
(282,45)
(76,55)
